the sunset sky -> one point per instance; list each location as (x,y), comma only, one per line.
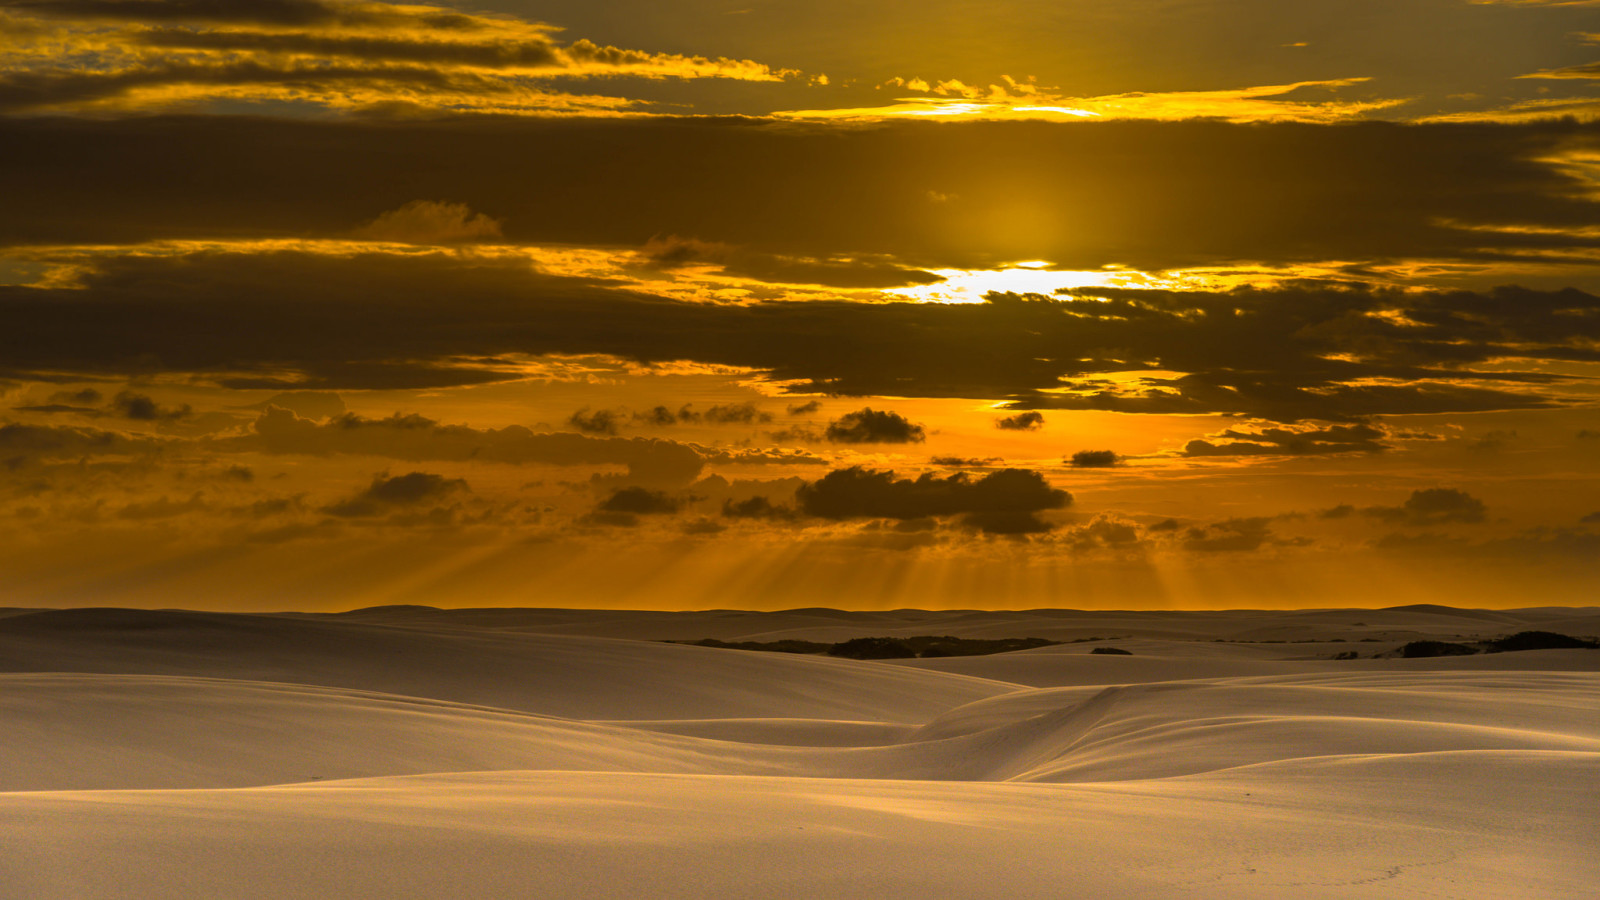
(309,304)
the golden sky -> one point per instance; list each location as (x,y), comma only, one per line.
(1164,303)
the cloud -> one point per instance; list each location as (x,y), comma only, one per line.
(1094,459)
(880,271)
(149,55)
(758,507)
(305,404)
(141,408)
(1231,536)
(18,442)
(965,462)
(279,318)
(1358,438)
(1014,100)
(1433,506)
(255,12)
(1032,420)
(1107,531)
(600,421)
(736,414)
(1203,190)
(386,494)
(417,438)
(430,222)
(638,500)
(803,409)
(1005,501)
(868,426)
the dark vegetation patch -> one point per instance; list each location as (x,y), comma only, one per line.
(1522,640)
(1539,640)
(1423,649)
(1112,651)
(921,646)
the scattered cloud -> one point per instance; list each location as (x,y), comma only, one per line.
(416,438)
(387,494)
(1032,420)
(869,426)
(1006,501)
(1359,438)
(640,501)
(1240,535)
(599,421)
(1433,506)
(1094,459)
(430,222)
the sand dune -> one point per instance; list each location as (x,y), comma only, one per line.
(575,677)
(1328,828)
(173,755)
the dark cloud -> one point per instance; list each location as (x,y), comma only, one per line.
(803,409)
(1005,521)
(641,501)
(1577,547)
(703,526)
(52,408)
(600,421)
(1293,442)
(305,404)
(1106,531)
(84,397)
(143,409)
(23,91)
(736,414)
(758,507)
(661,416)
(526,53)
(869,426)
(1094,459)
(47,441)
(162,508)
(674,253)
(609,519)
(1342,511)
(254,12)
(964,462)
(1162,195)
(417,438)
(387,494)
(1433,506)
(1279,355)
(1231,536)
(1032,420)
(1003,502)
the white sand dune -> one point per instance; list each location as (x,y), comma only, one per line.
(1385,826)
(177,755)
(574,677)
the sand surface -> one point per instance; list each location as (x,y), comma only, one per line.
(410,752)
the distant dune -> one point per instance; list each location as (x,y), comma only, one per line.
(411,752)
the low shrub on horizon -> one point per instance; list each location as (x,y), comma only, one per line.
(920,646)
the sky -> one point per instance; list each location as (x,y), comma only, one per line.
(308,304)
